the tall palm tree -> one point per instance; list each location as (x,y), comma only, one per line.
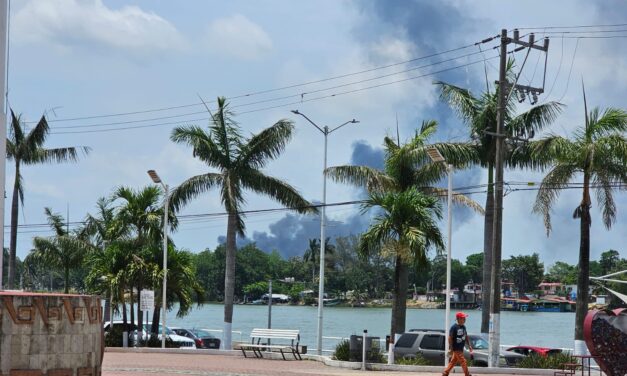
(408,166)
(479,113)
(64,250)
(598,154)
(406,230)
(239,161)
(28,149)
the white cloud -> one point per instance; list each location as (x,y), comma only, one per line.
(239,37)
(73,23)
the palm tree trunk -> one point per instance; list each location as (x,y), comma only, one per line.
(229,279)
(487,253)
(156,317)
(583,281)
(132,307)
(66,277)
(14,218)
(399,305)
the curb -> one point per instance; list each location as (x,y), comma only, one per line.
(431,369)
(157,350)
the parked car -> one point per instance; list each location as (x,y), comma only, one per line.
(529,350)
(203,338)
(180,341)
(429,344)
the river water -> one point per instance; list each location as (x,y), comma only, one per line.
(550,329)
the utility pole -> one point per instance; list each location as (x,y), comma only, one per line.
(505,90)
(4,41)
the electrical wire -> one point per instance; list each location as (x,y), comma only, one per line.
(265,91)
(570,71)
(298,102)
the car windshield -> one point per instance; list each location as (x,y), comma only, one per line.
(478,343)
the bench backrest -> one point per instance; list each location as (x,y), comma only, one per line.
(276,334)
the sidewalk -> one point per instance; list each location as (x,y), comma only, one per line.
(139,364)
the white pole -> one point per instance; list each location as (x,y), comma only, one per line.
(322,243)
(4,31)
(449,169)
(165,263)
(363,350)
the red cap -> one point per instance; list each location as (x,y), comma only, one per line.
(461,315)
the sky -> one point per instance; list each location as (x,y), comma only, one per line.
(128,72)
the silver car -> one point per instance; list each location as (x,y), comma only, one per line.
(429,344)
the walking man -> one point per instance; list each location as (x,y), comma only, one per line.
(457,338)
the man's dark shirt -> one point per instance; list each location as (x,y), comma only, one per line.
(458,332)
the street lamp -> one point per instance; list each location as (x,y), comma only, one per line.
(155,178)
(325,131)
(437,157)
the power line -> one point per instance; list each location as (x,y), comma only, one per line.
(297,102)
(297,95)
(570,27)
(265,91)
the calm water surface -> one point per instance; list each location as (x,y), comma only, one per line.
(551,329)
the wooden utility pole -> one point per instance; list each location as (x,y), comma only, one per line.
(505,91)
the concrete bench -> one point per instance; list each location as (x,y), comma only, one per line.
(272,340)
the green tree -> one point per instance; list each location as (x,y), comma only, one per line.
(598,154)
(28,149)
(64,251)
(609,261)
(406,167)
(239,161)
(474,265)
(562,272)
(479,113)
(525,271)
(406,229)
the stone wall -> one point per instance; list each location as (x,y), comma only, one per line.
(50,334)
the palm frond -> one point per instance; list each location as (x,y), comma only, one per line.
(266,145)
(55,221)
(58,155)
(549,191)
(461,100)
(612,120)
(535,119)
(203,146)
(37,136)
(16,133)
(605,198)
(276,189)
(458,198)
(193,187)
(361,176)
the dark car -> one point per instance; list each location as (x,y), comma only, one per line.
(429,344)
(530,350)
(203,338)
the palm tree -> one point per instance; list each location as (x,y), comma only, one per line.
(479,113)
(312,254)
(408,167)
(598,153)
(141,214)
(406,230)
(64,250)
(28,149)
(239,161)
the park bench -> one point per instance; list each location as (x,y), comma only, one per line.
(272,340)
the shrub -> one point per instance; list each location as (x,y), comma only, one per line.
(342,350)
(554,361)
(417,360)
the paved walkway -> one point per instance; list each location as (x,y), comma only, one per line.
(140,364)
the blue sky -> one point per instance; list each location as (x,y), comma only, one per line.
(76,59)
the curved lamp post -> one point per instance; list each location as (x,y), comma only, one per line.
(156,179)
(325,131)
